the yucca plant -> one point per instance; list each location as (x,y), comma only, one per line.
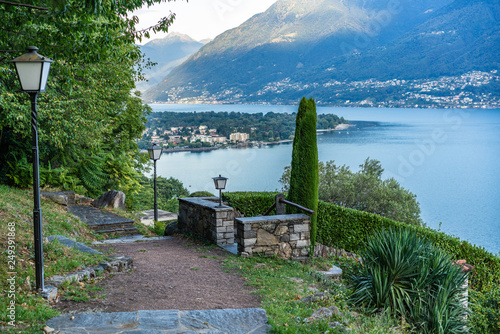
(407,276)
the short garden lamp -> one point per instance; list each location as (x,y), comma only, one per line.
(33,71)
(155,154)
(220,184)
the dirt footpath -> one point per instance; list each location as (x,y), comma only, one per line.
(169,274)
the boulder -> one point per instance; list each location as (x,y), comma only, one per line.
(110,200)
(61,197)
(171,229)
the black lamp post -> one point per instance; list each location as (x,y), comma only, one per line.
(220,184)
(155,154)
(33,70)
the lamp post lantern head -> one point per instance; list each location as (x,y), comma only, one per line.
(220,182)
(32,70)
(155,152)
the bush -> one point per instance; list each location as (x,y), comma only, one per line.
(408,276)
(250,204)
(202,194)
(485,311)
(348,229)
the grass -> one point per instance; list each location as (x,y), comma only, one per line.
(17,262)
(81,291)
(282,284)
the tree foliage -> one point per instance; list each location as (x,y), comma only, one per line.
(89,118)
(168,190)
(304,169)
(364,190)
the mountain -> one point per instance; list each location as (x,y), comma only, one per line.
(167,53)
(303,47)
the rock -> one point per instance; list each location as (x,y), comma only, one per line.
(57,197)
(285,251)
(296,280)
(73,244)
(27,285)
(111,200)
(265,238)
(281,230)
(315,297)
(324,313)
(48,329)
(83,200)
(171,229)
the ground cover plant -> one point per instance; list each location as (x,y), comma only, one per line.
(17,257)
(292,292)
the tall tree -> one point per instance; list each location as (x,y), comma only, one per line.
(89,117)
(304,177)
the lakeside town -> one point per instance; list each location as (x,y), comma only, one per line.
(204,139)
(474,89)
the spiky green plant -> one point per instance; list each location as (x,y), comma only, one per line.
(406,275)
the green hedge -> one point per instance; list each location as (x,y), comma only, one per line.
(250,204)
(348,229)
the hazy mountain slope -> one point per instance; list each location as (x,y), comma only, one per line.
(312,42)
(168,53)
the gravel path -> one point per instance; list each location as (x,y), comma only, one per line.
(174,274)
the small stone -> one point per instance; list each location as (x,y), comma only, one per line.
(282,229)
(315,297)
(296,280)
(285,251)
(48,329)
(27,285)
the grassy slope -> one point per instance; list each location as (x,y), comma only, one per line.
(16,206)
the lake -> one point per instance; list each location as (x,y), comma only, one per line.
(449,158)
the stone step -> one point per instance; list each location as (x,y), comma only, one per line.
(103,221)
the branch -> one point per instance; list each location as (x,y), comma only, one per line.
(17,4)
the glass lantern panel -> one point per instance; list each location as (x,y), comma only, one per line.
(29,75)
(45,76)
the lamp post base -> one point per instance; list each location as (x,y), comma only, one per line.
(49,293)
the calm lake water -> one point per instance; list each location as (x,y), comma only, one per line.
(449,158)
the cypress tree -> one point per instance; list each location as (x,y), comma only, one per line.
(304,178)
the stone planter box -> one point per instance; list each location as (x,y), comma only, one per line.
(201,216)
(287,236)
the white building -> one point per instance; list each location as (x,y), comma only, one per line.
(239,137)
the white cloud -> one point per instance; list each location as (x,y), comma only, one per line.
(202,19)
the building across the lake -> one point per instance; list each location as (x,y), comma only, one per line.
(239,137)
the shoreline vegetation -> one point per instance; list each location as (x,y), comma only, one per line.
(339,127)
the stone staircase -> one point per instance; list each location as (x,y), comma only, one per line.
(103,221)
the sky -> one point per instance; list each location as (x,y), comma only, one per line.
(201,19)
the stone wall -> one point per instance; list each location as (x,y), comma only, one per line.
(287,236)
(201,216)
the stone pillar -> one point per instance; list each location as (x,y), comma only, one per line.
(202,216)
(280,207)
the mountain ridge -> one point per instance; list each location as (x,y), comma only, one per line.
(310,43)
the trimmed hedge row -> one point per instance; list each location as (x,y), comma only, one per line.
(250,204)
(348,229)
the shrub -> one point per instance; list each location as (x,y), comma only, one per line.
(485,311)
(202,194)
(250,204)
(406,275)
(348,229)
